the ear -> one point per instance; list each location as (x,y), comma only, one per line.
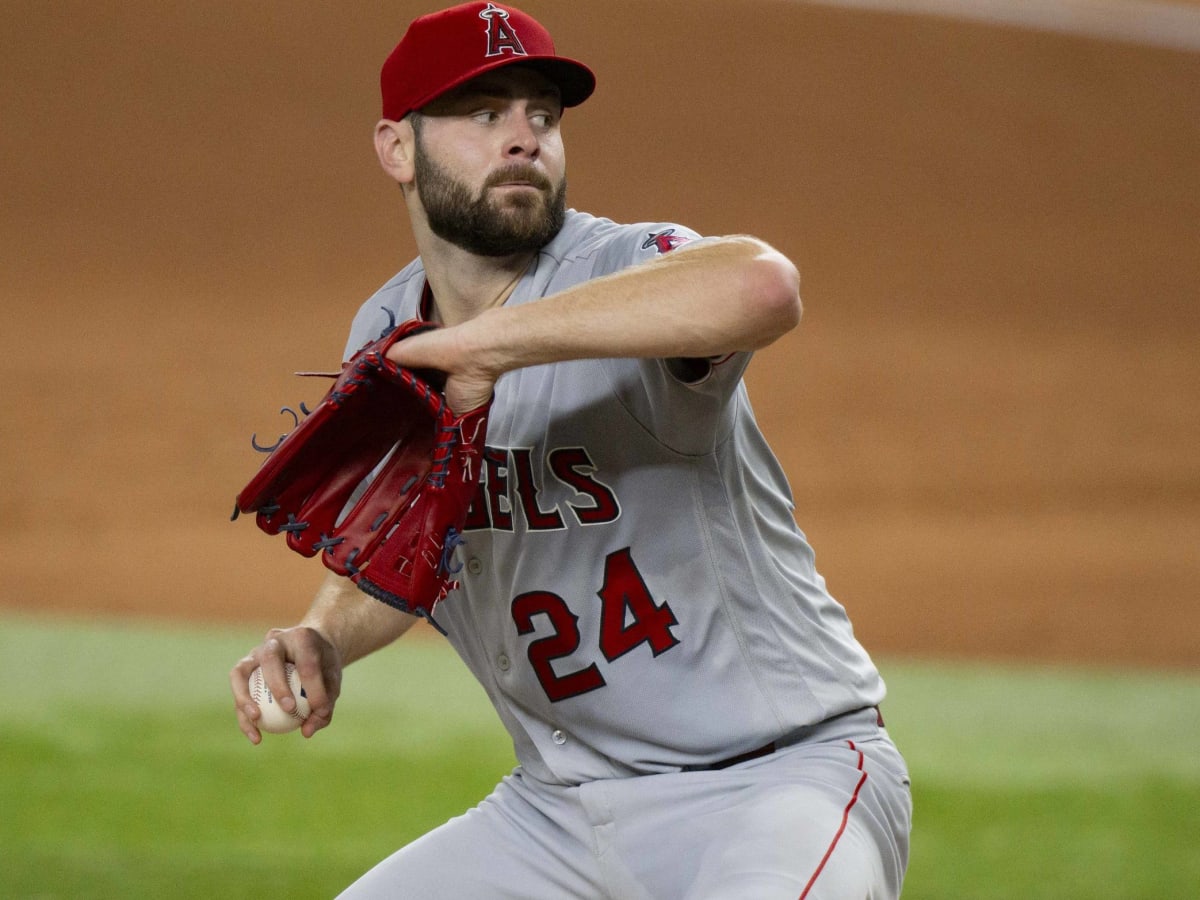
(395,143)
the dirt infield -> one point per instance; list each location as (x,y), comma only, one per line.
(990,416)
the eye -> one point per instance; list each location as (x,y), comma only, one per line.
(543,120)
(485,116)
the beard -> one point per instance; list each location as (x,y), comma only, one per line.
(522,223)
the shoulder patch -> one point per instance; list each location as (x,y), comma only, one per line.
(664,241)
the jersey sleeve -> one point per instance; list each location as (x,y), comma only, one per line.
(687,403)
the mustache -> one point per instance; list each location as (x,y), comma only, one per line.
(528,174)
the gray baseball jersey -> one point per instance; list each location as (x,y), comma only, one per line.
(635,595)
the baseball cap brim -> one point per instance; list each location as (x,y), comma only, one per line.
(574,80)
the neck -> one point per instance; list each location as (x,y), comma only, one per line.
(465,285)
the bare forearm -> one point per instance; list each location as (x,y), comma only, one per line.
(353,622)
(730,295)
(699,301)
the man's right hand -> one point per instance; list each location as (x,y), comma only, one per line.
(318,663)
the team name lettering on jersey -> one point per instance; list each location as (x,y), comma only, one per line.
(508,482)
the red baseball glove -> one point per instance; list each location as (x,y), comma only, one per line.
(394,537)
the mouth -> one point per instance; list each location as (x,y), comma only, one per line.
(520,181)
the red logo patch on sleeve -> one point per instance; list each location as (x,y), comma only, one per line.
(664,241)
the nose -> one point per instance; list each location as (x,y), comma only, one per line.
(522,141)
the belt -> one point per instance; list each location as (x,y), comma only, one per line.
(768,749)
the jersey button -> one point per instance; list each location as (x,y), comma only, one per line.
(559,737)
(474,566)
(503,662)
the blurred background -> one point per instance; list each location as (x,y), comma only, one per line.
(990,415)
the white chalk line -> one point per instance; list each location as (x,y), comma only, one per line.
(1173,26)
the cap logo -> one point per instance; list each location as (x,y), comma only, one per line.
(500,35)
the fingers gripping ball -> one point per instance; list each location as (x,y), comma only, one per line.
(275,719)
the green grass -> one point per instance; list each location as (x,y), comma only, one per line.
(123,774)
(1050,783)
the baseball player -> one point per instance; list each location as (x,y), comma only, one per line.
(691,712)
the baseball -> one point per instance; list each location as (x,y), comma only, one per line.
(274,719)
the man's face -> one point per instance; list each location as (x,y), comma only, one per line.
(489,164)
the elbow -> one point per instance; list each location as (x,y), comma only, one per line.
(771,294)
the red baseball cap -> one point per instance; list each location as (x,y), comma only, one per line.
(444,49)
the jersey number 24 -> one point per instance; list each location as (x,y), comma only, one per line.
(628,617)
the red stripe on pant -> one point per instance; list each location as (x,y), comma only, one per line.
(841,828)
